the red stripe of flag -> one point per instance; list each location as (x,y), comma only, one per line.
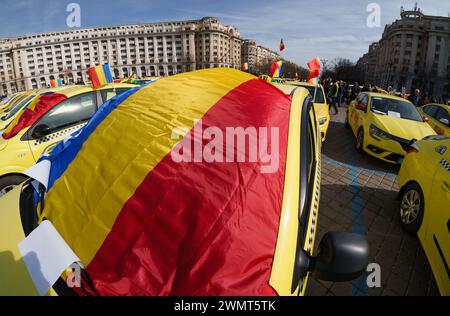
(94,77)
(29,117)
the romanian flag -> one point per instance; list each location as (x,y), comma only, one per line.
(314,70)
(145,224)
(56,83)
(282,46)
(245,67)
(276,69)
(100,75)
(37,108)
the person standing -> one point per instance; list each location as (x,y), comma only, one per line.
(334,95)
(416,98)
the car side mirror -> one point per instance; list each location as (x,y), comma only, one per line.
(341,257)
(40,131)
(444,121)
(426,119)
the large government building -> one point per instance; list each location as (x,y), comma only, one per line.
(414,52)
(257,55)
(153,49)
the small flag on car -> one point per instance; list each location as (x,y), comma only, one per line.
(100,75)
(276,69)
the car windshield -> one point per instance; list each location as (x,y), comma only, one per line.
(395,108)
(319,94)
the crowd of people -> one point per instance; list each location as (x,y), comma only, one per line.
(340,92)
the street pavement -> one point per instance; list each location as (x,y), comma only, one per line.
(358,194)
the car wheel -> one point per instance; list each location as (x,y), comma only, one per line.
(346,125)
(8,183)
(360,140)
(411,208)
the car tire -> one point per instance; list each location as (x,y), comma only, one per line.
(346,125)
(411,208)
(360,140)
(8,183)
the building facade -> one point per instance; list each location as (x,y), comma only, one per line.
(153,49)
(413,52)
(256,55)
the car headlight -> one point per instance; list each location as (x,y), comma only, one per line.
(376,133)
(322,120)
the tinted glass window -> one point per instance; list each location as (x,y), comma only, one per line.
(310,155)
(442,114)
(319,95)
(430,110)
(111,93)
(75,110)
(365,99)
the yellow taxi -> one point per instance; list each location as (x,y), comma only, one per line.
(14,100)
(385,125)
(7,117)
(424,196)
(31,133)
(4,102)
(123,176)
(321,107)
(438,116)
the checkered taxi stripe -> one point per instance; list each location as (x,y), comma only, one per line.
(57,134)
(445,164)
(314,215)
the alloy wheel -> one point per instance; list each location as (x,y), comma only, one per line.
(410,207)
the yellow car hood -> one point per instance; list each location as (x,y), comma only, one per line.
(14,277)
(406,129)
(3,142)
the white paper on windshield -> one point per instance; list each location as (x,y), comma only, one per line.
(40,172)
(46,256)
(394,114)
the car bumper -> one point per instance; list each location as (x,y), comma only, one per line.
(391,151)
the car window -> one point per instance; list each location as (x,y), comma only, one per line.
(362,98)
(365,99)
(111,93)
(442,114)
(395,108)
(319,95)
(74,110)
(430,110)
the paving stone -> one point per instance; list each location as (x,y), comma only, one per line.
(366,195)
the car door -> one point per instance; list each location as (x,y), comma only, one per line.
(357,115)
(430,112)
(438,232)
(441,121)
(67,117)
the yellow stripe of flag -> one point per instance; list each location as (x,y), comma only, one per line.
(133,139)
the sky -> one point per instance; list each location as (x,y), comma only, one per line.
(309,28)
